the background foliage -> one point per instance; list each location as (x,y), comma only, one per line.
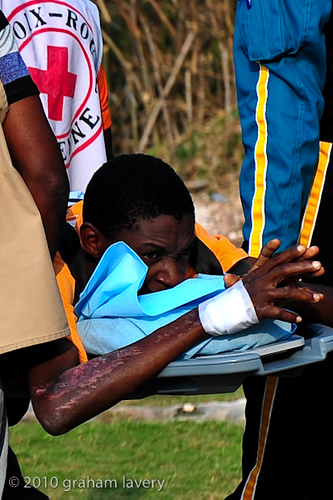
(170,70)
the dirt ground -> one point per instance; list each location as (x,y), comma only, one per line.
(221,213)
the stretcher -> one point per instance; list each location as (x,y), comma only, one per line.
(223,373)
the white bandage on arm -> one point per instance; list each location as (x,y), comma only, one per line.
(229,312)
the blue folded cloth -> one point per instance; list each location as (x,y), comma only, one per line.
(112,315)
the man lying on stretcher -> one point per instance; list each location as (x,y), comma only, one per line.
(137,202)
(65,393)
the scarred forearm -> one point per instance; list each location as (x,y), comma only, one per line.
(66,395)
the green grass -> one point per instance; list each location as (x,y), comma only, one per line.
(195,460)
(162,401)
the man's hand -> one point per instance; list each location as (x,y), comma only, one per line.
(267,252)
(273,246)
(273,280)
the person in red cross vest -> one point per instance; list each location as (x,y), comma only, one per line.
(61,43)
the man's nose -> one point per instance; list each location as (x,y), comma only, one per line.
(169,274)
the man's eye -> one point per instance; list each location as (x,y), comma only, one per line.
(151,255)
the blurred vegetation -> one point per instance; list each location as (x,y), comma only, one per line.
(170,70)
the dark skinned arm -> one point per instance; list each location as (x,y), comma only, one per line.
(65,395)
(36,156)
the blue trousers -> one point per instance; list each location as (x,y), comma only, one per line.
(280,64)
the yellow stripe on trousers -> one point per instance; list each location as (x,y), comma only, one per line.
(311,212)
(260,159)
(268,401)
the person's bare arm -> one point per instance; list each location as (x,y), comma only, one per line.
(65,395)
(36,156)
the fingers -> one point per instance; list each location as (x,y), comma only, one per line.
(294,293)
(269,249)
(291,254)
(275,281)
(299,252)
(266,253)
(275,312)
(266,263)
(269,309)
(292,262)
(294,270)
(268,277)
(310,252)
(314,274)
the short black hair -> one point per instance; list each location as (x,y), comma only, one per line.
(131,187)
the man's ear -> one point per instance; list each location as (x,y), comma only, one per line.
(92,241)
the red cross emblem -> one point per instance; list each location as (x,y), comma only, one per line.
(57,82)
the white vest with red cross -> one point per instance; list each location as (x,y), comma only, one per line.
(61,43)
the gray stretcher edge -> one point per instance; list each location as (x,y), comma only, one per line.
(224,373)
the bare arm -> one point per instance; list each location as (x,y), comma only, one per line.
(36,156)
(65,395)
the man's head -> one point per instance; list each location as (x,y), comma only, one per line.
(141,200)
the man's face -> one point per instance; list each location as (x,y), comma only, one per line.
(164,244)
